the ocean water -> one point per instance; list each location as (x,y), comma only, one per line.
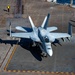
(65,1)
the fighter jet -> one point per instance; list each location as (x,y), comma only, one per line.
(42,36)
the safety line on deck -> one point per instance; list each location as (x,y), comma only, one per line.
(10,57)
(41,72)
(5,57)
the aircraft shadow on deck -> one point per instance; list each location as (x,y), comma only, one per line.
(27,45)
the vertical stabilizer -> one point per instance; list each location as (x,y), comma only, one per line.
(45,22)
(32,24)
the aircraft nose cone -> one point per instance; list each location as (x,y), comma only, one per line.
(50,52)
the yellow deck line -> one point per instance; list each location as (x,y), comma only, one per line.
(10,57)
(42,72)
(5,57)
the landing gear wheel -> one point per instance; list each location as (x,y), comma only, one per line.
(43,54)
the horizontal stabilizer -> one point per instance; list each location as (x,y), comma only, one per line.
(20,28)
(50,29)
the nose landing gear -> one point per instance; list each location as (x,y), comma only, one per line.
(43,54)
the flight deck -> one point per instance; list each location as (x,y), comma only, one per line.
(18,56)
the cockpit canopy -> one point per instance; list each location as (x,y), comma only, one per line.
(46,39)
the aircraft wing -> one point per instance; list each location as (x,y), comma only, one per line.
(60,35)
(49,29)
(26,35)
(21,35)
